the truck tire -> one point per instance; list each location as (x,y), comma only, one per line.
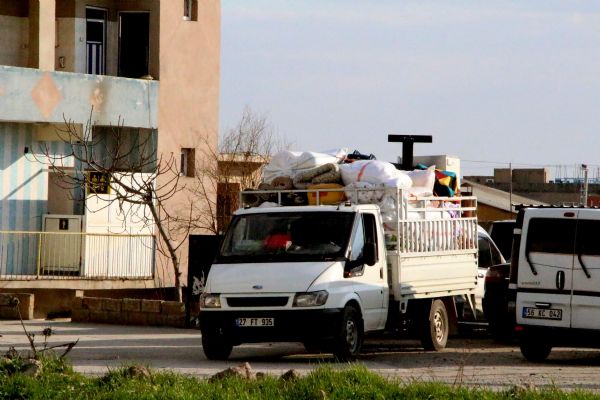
(349,340)
(435,329)
(533,347)
(215,346)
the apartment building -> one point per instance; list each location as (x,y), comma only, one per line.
(151,66)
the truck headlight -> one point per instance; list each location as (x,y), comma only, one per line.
(311,299)
(210,300)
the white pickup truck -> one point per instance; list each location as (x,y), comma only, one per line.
(326,275)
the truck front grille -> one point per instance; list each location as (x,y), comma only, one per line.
(257,301)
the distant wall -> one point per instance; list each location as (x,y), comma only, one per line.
(521,175)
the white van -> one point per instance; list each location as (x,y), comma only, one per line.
(555,278)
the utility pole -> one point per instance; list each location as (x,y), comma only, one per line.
(584,187)
(510,188)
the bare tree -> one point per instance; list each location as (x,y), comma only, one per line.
(235,165)
(125,161)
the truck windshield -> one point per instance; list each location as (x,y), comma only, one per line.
(282,236)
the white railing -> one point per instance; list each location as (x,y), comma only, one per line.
(27,255)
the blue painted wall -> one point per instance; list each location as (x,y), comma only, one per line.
(23,177)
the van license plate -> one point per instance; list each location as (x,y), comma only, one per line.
(542,313)
(249,322)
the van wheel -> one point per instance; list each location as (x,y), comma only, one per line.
(435,329)
(215,346)
(350,336)
(533,347)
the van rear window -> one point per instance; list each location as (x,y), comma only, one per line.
(551,235)
(588,237)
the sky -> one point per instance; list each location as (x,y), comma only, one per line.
(494,82)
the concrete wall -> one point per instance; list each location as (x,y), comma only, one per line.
(189,93)
(14,36)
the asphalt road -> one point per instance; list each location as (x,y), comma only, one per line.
(474,361)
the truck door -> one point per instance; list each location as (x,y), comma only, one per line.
(368,280)
(546,267)
(585,303)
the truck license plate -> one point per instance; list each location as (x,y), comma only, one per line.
(248,322)
(542,313)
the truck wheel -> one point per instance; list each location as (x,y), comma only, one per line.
(350,337)
(215,346)
(533,347)
(435,328)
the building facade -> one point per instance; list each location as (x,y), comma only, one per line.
(149,66)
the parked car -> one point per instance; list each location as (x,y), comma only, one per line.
(501,321)
(488,255)
(501,233)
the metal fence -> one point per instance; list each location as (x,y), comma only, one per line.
(52,255)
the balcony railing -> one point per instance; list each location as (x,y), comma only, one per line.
(52,255)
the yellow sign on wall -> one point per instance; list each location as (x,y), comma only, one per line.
(98,183)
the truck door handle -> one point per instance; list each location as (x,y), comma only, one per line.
(543,305)
(560,280)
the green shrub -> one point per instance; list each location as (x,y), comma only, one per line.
(58,381)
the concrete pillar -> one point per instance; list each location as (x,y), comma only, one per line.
(42,34)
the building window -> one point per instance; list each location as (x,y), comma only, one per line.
(187,163)
(190,10)
(95,40)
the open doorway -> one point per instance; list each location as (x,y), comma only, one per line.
(95,40)
(134,43)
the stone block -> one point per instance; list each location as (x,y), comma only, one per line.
(111,304)
(111,317)
(92,303)
(77,303)
(172,307)
(156,319)
(9,308)
(151,306)
(134,318)
(176,321)
(134,305)
(80,315)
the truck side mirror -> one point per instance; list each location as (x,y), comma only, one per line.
(369,254)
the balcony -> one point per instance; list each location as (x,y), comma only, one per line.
(34,96)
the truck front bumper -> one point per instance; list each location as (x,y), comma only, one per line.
(288,325)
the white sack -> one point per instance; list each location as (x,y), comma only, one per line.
(374,171)
(423,177)
(288,163)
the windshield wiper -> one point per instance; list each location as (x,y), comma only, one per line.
(530,263)
(585,270)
